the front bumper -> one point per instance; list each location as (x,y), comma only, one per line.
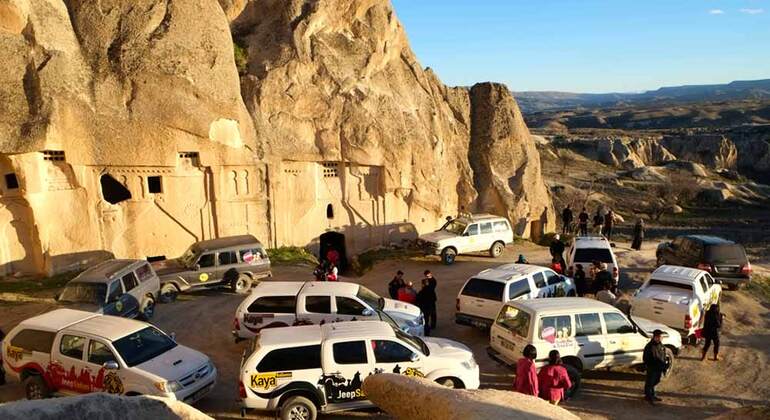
(472,321)
(194,393)
(473,379)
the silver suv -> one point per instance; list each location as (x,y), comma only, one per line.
(235,262)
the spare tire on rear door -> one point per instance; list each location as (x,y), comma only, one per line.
(448,255)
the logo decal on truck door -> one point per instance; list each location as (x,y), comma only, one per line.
(83,381)
(338,389)
(265,381)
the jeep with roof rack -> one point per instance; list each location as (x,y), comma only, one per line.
(468,233)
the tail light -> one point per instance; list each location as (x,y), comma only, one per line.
(704,267)
(241,389)
(457,304)
(746,269)
(236,324)
(687,322)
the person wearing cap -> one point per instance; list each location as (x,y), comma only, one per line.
(655,362)
(395,284)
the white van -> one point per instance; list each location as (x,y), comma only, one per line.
(480,299)
(587,333)
(69,352)
(300,371)
(474,233)
(587,249)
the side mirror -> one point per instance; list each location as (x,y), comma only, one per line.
(466,234)
(415,358)
(173,336)
(367,312)
(111,365)
(197,267)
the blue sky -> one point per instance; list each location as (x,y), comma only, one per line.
(590,45)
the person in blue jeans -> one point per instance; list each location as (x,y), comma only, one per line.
(655,361)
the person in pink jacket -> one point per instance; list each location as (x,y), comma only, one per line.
(553,379)
(526,374)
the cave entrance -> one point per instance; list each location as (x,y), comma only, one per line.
(112,190)
(336,241)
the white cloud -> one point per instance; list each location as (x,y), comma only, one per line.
(752,11)
(716,12)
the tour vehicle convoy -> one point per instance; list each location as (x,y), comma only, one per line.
(127,288)
(300,371)
(472,233)
(678,297)
(585,250)
(480,299)
(287,303)
(69,352)
(725,260)
(236,262)
(587,333)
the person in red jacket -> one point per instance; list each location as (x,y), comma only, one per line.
(553,379)
(407,293)
(526,374)
(556,266)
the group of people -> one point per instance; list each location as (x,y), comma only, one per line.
(327,269)
(550,384)
(425,298)
(603,224)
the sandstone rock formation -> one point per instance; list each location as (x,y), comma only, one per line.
(100,407)
(712,150)
(396,395)
(132,116)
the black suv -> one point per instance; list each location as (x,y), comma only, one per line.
(725,260)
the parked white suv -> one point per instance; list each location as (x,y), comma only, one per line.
(479,232)
(480,299)
(69,352)
(587,249)
(588,334)
(299,371)
(677,296)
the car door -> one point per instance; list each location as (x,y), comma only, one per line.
(317,309)
(70,373)
(254,260)
(130,299)
(391,356)
(590,340)
(108,380)
(205,273)
(350,309)
(541,287)
(621,345)
(486,236)
(468,242)
(520,289)
(148,281)
(226,269)
(555,284)
(345,366)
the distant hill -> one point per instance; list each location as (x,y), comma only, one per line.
(531,102)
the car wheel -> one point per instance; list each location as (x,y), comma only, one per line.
(242,284)
(35,388)
(298,408)
(448,383)
(448,256)
(148,309)
(574,377)
(496,249)
(669,363)
(168,293)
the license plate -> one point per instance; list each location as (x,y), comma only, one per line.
(200,393)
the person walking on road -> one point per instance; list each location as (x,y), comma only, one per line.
(557,248)
(598,222)
(609,223)
(583,222)
(553,379)
(566,220)
(638,235)
(712,324)
(526,374)
(426,301)
(655,362)
(430,318)
(395,284)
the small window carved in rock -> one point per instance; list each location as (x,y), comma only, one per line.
(330,211)
(11,182)
(112,190)
(154,184)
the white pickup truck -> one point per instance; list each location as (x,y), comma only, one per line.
(289,303)
(677,297)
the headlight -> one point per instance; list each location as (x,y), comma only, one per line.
(470,363)
(170,387)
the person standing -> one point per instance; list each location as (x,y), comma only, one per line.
(655,362)
(557,249)
(580,280)
(526,374)
(566,220)
(332,255)
(638,235)
(598,222)
(426,300)
(430,318)
(553,379)
(583,222)
(609,223)
(712,323)
(602,279)
(605,295)
(395,284)
(331,274)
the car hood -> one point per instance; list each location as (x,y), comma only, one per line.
(437,236)
(168,267)
(649,326)
(175,363)
(442,347)
(398,309)
(663,294)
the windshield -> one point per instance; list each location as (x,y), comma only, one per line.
(143,345)
(455,226)
(189,256)
(84,293)
(415,341)
(372,299)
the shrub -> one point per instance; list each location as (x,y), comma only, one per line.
(241,56)
(288,255)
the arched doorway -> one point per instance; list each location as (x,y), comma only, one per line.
(334,240)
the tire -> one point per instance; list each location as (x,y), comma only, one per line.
(241,284)
(449,383)
(496,249)
(35,388)
(448,256)
(168,293)
(298,408)
(669,363)
(147,310)
(574,377)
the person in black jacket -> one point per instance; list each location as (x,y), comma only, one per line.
(430,298)
(655,362)
(712,323)
(583,222)
(566,220)
(580,280)
(395,284)
(557,249)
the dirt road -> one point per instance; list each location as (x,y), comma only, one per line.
(696,390)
